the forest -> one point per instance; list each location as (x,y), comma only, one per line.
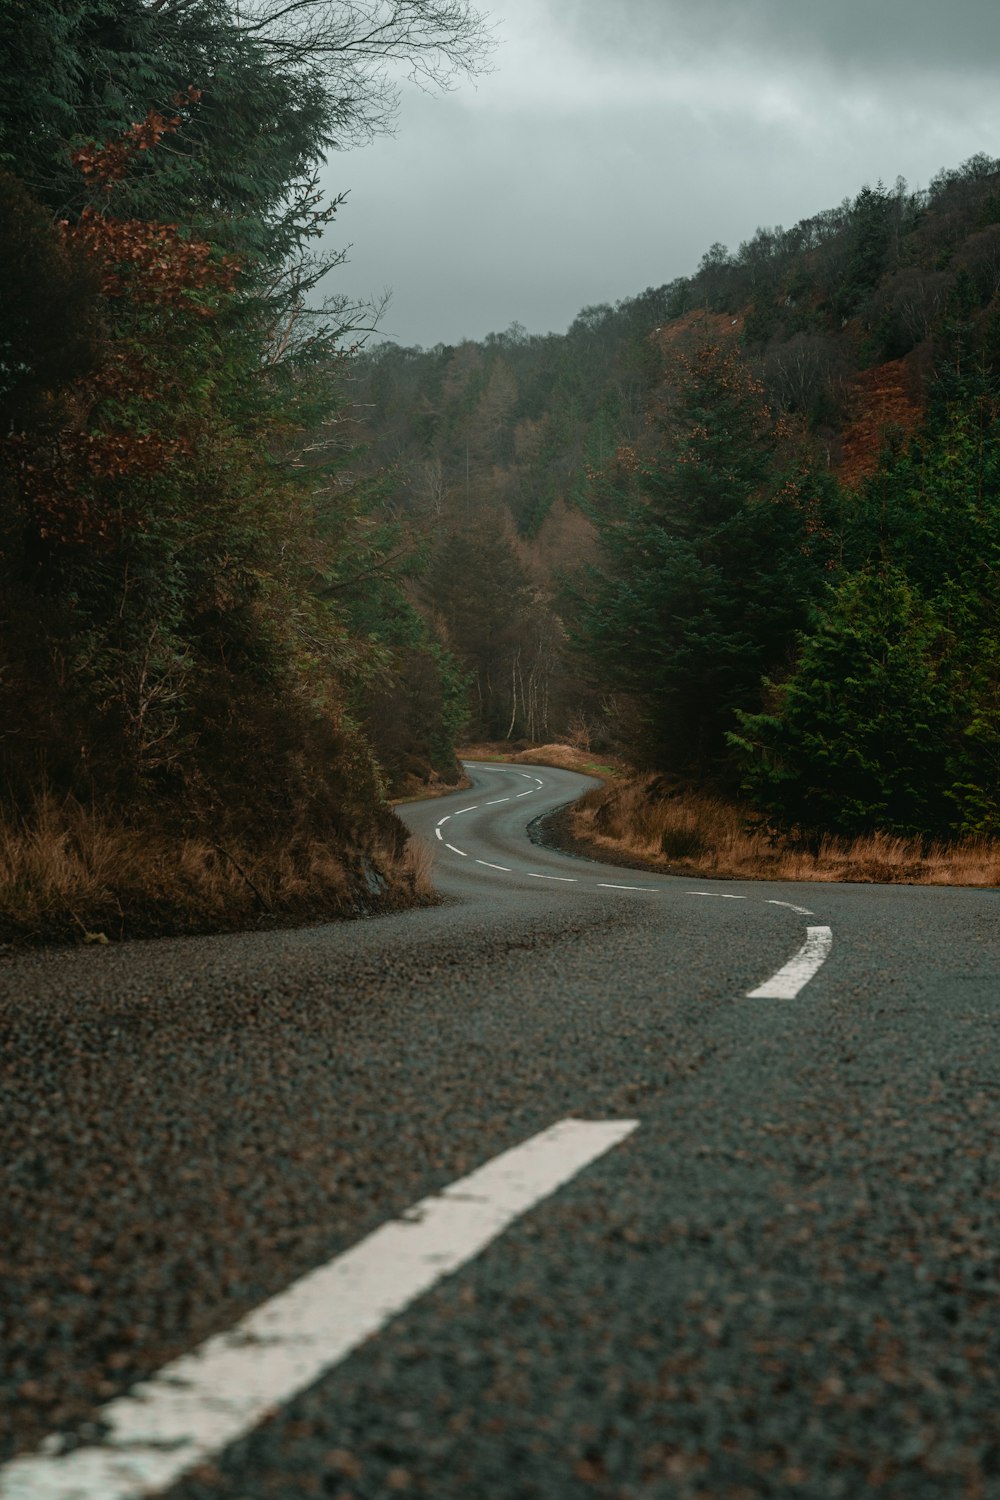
(261,571)
(192,578)
(750,519)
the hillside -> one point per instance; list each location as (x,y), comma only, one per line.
(865,337)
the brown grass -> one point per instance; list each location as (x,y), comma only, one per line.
(564,757)
(673,830)
(69,873)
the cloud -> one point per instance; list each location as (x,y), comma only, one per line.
(873,38)
(616,141)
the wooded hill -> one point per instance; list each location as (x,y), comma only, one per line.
(186,666)
(745,524)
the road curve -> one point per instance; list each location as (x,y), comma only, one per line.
(618,1211)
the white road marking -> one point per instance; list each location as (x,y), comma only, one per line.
(462,810)
(528,793)
(785,985)
(456,851)
(719,895)
(803,911)
(439,834)
(201,1403)
(566,879)
(606,887)
(497,802)
(443,821)
(504,868)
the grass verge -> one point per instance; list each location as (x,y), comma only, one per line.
(564,757)
(71,874)
(663,827)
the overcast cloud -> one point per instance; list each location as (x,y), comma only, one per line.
(617,139)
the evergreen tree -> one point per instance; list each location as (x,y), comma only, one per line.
(711,558)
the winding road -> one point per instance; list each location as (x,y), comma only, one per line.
(582,1183)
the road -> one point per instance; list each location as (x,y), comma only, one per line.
(541,1193)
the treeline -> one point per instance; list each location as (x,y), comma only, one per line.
(202,609)
(743,526)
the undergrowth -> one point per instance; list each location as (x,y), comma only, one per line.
(71,873)
(678,830)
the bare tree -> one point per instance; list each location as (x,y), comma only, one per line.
(361,48)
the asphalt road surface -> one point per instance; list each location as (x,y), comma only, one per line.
(584,1183)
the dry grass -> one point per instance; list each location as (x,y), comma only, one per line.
(564,757)
(682,832)
(69,873)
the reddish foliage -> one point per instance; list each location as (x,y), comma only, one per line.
(882,400)
(77,488)
(103,166)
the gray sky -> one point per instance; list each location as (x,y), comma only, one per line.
(617,139)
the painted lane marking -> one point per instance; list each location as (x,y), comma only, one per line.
(439,834)
(462,810)
(201,1403)
(606,887)
(456,851)
(566,879)
(497,802)
(504,868)
(443,821)
(785,985)
(719,895)
(803,911)
(528,793)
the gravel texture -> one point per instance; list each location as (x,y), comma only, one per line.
(785,1283)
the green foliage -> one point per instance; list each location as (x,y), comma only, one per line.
(891,717)
(856,737)
(173,529)
(709,564)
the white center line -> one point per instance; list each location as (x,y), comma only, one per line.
(803,911)
(462,810)
(456,851)
(504,868)
(497,802)
(439,834)
(798,971)
(443,821)
(198,1405)
(606,887)
(566,879)
(528,793)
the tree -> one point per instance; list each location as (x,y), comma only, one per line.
(856,737)
(278,84)
(712,553)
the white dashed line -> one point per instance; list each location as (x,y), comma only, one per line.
(443,821)
(566,879)
(199,1404)
(456,851)
(439,834)
(719,895)
(803,911)
(528,793)
(505,868)
(798,971)
(462,810)
(606,887)
(497,802)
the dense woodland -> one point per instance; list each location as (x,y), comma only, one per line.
(258,573)
(186,567)
(743,527)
